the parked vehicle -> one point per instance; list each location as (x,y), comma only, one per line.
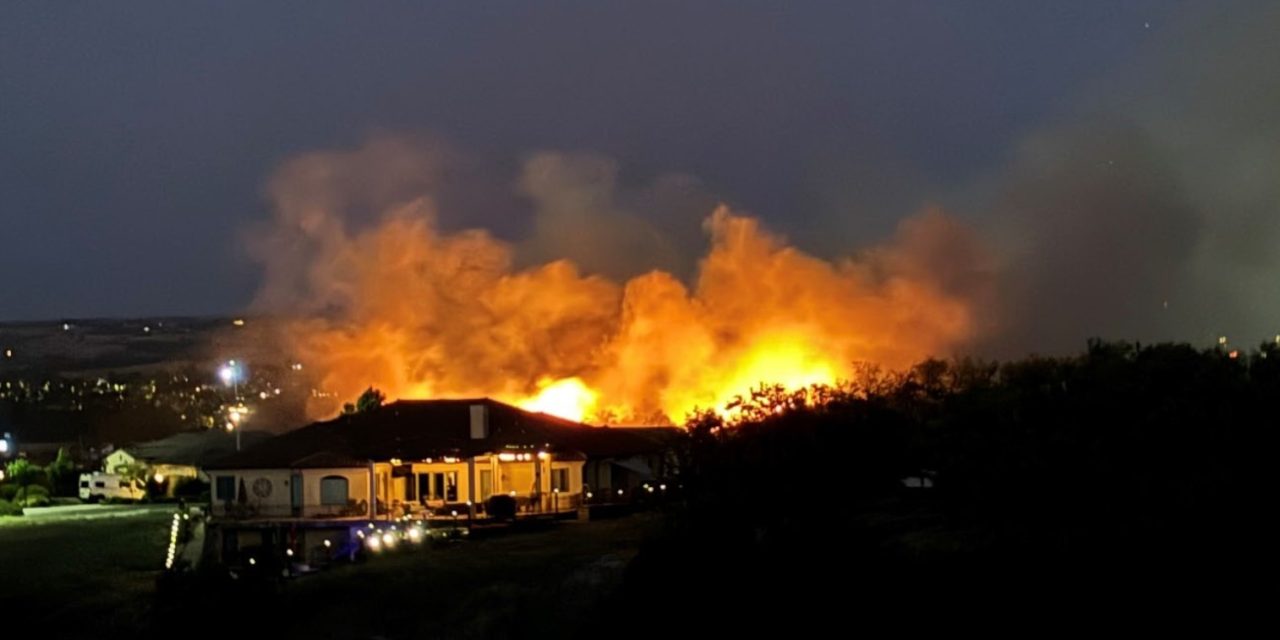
(98,485)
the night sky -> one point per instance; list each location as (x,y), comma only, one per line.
(136,138)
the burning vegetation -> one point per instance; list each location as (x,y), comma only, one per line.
(423,313)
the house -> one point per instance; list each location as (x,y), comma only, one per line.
(423,459)
(181,455)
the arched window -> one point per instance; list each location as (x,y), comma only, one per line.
(333,490)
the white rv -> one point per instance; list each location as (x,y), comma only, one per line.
(98,485)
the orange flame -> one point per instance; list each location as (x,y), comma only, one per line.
(420,313)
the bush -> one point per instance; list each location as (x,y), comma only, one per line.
(8,491)
(501,507)
(8,508)
(33,496)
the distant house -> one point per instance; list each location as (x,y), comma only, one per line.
(182,455)
(424,457)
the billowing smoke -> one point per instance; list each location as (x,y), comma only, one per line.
(381,294)
(1149,210)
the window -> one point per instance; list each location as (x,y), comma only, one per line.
(226,489)
(333,490)
(560,480)
(84,484)
(486,483)
(100,484)
(451,486)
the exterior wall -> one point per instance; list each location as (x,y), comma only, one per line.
(278,503)
(357,490)
(118,459)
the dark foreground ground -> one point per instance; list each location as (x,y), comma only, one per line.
(82,579)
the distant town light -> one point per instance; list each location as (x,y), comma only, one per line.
(66,326)
(1222,340)
(239,322)
(328,544)
(252,561)
(146,329)
(8,353)
(297,366)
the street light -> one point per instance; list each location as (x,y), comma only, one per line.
(230,374)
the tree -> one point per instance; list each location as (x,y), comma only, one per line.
(61,472)
(22,472)
(368,401)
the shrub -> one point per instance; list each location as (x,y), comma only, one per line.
(501,507)
(8,508)
(33,496)
(189,488)
(8,491)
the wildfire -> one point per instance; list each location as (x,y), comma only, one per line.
(569,398)
(421,313)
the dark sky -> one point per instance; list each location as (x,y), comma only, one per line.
(136,137)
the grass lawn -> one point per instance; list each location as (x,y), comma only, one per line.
(81,572)
(97,579)
(518,585)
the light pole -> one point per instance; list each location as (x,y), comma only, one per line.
(235,418)
(236,415)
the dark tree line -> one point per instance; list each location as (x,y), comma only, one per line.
(1123,470)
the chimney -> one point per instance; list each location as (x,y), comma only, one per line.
(479,421)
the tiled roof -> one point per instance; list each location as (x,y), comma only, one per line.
(419,429)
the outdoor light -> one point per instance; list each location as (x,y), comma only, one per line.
(415,534)
(374,543)
(590,495)
(4,446)
(328,544)
(619,491)
(288,552)
(662,487)
(389,539)
(506,457)
(252,561)
(159,478)
(543,455)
